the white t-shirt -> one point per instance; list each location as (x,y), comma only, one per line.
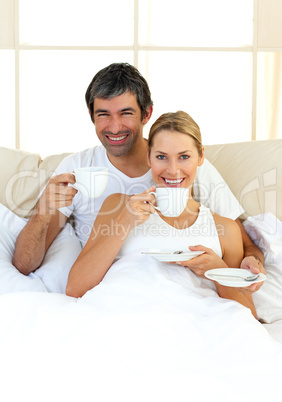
(209,187)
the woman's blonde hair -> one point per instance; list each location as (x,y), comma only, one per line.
(180,122)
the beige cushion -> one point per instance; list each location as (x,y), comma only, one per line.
(22,177)
(253,171)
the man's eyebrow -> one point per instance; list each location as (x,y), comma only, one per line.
(126,109)
(100,111)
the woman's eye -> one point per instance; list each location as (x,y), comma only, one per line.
(184,157)
(161,157)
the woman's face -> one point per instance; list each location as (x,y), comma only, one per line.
(174,159)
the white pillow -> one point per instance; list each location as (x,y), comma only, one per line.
(59,259)
(266,232)
(52,275)
(11,280)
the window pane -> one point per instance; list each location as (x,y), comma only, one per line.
(7,29)
(7,98)
(215,88)
(54,116)
(69,22)
(196,23)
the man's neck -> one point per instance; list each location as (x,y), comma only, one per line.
(133,164)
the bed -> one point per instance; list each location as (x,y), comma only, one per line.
(150,331)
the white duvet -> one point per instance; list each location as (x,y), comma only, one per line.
(150,331)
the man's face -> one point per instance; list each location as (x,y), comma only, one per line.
(118,123)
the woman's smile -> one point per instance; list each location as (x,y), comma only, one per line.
(173,182)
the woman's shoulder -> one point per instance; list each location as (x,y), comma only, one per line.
(225,225)
(114,202)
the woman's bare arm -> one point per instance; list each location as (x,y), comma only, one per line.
(118,215)
(233,250)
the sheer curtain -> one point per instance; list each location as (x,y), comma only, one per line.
(269,97)
(273,98)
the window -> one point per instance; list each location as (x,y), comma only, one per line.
(219,61)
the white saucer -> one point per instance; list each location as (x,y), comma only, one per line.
(171,257)
(231,281)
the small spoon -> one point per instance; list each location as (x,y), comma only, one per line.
(249,278)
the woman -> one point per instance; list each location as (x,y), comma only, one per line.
(174,153)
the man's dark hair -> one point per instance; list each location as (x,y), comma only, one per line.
(115,80)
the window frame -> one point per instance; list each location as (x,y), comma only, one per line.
(136,48)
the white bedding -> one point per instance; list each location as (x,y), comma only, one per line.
(150,331)
(53,273)
(266,231)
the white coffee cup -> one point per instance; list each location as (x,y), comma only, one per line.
(91,181)
(171,201)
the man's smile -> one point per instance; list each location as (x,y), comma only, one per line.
(116,139)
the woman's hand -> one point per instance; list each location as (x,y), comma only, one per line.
(204,262)
(138,209)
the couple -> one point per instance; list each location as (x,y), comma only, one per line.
(119,103)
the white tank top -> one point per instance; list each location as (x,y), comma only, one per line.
(157,235)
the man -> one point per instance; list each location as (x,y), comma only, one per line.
(119,103)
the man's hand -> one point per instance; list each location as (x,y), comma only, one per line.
(57,194)
(255,266)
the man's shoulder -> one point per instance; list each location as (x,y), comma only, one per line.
(86,157)
(207,170)
(88,153)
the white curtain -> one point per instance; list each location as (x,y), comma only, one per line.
(269,119)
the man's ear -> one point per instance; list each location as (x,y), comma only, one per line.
(91,117)
(202,158)
(147,115)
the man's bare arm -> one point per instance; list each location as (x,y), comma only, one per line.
(250,249)
(35,239)
(253,259)
(44,225)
